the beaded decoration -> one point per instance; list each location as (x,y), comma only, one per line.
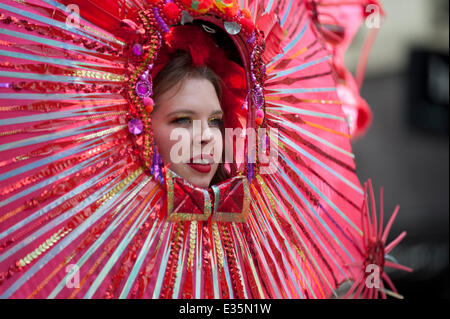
(155,22)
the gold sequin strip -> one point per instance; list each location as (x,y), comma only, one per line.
(98,75)
(218,245)
(95,117)
(299,251)
(11,132)
(266,191)
(161,238)
(104,35)
(43,247)
(119,187)
(12,213)
(101,133)
(192,242)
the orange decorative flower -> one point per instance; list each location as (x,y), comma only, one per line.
(246,13)
(228,7)
(200,6)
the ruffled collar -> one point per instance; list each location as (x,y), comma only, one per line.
(227,201)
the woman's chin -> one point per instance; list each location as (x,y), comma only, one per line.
(199,181)
(194,177)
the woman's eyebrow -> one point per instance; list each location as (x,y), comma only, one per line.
(219,112)
(181,111)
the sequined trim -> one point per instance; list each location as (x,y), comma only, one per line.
(184,216)
(232,217)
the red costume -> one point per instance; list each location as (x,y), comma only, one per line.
(89,210)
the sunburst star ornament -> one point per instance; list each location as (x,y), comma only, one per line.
(373,279)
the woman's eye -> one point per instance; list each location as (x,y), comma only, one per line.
(182,120)
(215,122)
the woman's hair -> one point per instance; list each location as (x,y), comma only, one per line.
(179,69)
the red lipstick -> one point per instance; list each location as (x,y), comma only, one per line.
(204,167)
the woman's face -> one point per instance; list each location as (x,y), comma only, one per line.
(191,113)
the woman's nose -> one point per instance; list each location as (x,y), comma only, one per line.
(203,133)
(208,134)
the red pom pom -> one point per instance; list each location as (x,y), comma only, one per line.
(171,11)
(247,24)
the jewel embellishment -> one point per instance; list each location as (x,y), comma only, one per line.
(143,88)
(135,126)
(186,17)
(137,49)
(232,27)
(258,96)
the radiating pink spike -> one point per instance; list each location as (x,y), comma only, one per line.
(362,63)
(398,266)
(372,293)
(393,294)
(355,284)
(389,224)
(374,210)
(365,218)
(366,293)
(355,264)
(381,290)
(365,225)
(380,228)
(362,219)
(389,282)
(359,290)
(395,242)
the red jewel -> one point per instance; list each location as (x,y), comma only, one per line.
(247,24)
(171,11)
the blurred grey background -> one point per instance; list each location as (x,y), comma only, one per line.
(406,150)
